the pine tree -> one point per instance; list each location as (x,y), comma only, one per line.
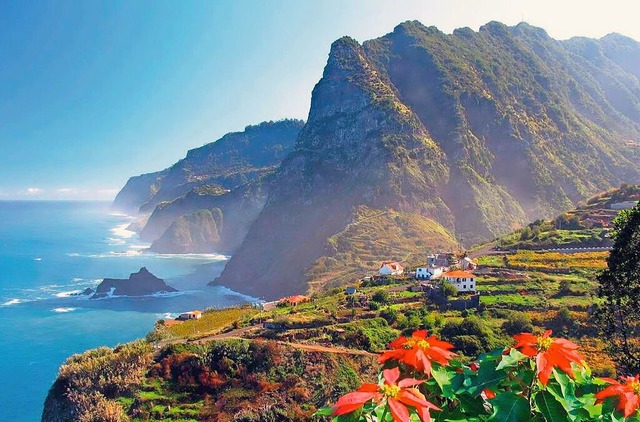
(619,315)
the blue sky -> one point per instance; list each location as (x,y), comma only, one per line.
(92,92)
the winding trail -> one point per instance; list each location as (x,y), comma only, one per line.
(240,332)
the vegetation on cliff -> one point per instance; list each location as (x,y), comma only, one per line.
(478,131)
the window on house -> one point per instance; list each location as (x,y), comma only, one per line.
(464,287)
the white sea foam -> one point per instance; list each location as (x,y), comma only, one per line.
(119,214)
(11,302)
(68,294)
(138,247)
(115,241)
(37,258)
(63,310)
(73,254)
(121,231)
(77,279)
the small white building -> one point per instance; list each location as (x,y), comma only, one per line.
(623,205)
(185,316)
(427,273)
(391,268)
(467,264)
(464,281)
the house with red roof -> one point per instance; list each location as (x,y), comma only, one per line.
(464,281)
(294,300)
(390,268)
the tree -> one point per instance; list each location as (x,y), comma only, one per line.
(382,297)
(448,289)
(619,315)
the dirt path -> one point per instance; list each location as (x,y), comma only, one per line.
(238,335)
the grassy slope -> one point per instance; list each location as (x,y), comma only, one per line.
(594,216)
(375,236)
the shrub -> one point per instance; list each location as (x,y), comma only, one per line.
(517,322)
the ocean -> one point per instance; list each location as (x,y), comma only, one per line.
(52,249)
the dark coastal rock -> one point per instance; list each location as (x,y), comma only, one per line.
(142,283)
(87,292)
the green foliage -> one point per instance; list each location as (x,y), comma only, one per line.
(517,322)
(619,314)
(382,297)
(471,335)
(448,289)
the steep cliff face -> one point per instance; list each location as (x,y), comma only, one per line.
(193,233)
(227,163)
(240,207)
(361,145)
(139,189)
(476,131)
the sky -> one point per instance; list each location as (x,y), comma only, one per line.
(93,92)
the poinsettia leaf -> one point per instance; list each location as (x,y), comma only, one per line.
(512,359)
(551,409)
(487,377)
(472,405)
(443,378)
(509,407)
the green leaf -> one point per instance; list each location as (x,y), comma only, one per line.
(509,407)
(512,359)
(551,408)
(324,411)
(443,379)
(488,376)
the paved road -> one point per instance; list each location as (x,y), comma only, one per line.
(488,250)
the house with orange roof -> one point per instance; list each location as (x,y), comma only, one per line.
(294,300)
(464,281)
(391,268)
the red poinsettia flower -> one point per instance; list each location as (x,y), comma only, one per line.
(628,393)
(419,351)
(398,395)
(549,353)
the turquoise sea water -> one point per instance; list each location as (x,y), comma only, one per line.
(48,250)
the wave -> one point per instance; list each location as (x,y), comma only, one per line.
(138,247)
(119,214)
(110,295)
(139,250)
(38,258)
(121,231)
(12,302)
(68,294)
(63,310)
(113,241)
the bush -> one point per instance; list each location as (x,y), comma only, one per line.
(382,297)
(517,322)
(449,290)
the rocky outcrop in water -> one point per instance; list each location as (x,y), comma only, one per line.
(142,283)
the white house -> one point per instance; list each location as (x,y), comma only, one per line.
(464,281)
(391,268)
(189,315)
(427,273)
(467,264)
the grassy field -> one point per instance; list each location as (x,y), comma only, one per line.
(212,322)
(375,236)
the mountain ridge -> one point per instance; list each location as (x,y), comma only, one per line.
(513,124)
